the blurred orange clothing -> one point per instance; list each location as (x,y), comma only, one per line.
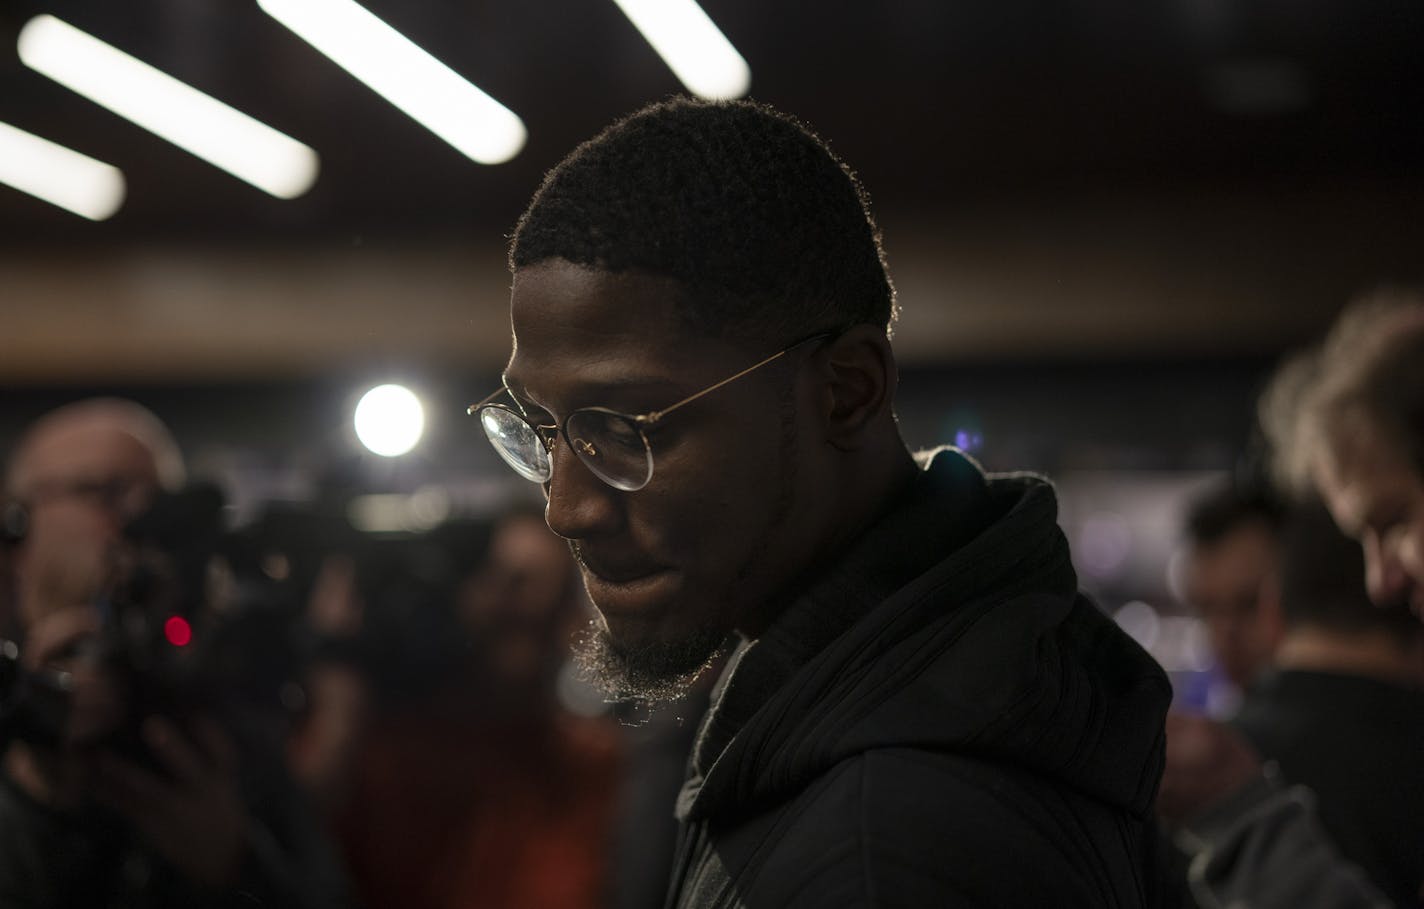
(507,814)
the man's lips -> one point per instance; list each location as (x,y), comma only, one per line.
(630,589)
(614,570)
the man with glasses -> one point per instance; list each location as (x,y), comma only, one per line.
(920,709)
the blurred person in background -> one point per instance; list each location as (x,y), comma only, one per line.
(481,788)
(82,473)
(1345,421)
(921,709)
(1348,420)
(1342,713)
(105,806)
(1228,573)
(12,529)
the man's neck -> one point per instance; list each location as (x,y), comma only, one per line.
(880,495)
(865,501)
(1368,654)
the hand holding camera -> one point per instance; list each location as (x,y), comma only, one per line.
(190,809)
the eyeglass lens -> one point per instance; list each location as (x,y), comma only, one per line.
(609,444)
(612,447)
(517,443)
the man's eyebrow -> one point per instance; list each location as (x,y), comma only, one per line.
(594,388)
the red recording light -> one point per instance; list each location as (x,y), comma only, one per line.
(177,630)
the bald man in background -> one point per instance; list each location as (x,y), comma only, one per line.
(82,473)
(77,477)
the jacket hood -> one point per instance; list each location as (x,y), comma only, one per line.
(988,652)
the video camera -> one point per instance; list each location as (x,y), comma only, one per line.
(180,577)
(206,619)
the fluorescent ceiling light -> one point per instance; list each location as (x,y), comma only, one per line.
(398,70)
(220,135)
(58,175)
(691,45)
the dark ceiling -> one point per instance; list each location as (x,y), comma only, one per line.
(935,102)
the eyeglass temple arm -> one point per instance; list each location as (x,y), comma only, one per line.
(651,418)
(483,401)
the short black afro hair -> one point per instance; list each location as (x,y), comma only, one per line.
(1222,508)
(768,232)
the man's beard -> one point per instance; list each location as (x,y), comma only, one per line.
(647,675)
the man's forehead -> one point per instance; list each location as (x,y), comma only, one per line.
(603,330)
(1232,565)
(90,452)
(579,300)
(1250,542)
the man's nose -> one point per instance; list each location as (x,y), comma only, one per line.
(578,504)
(1385,576)
(1411,554)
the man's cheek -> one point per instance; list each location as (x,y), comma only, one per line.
(1411,556)
(72,524)
(66,560)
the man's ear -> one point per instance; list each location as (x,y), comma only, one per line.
(860,378)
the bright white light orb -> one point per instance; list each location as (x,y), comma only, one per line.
(389,420)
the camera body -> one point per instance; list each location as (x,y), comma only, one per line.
(34,706)
(149,655)
(207,620)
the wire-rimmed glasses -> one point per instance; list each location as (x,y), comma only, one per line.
(614,446)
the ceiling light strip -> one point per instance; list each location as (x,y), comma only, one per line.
(692,46)
(59,175)
(226,138)
(406,75)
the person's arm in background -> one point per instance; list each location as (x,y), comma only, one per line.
(323,749)
(195,815)
(1250,839)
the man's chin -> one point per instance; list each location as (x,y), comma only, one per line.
(640,666)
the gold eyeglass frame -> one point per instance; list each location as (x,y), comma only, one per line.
(549,434)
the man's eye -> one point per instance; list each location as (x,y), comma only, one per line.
(623,432)
(537,415)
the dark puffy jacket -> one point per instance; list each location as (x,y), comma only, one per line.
(939,721)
